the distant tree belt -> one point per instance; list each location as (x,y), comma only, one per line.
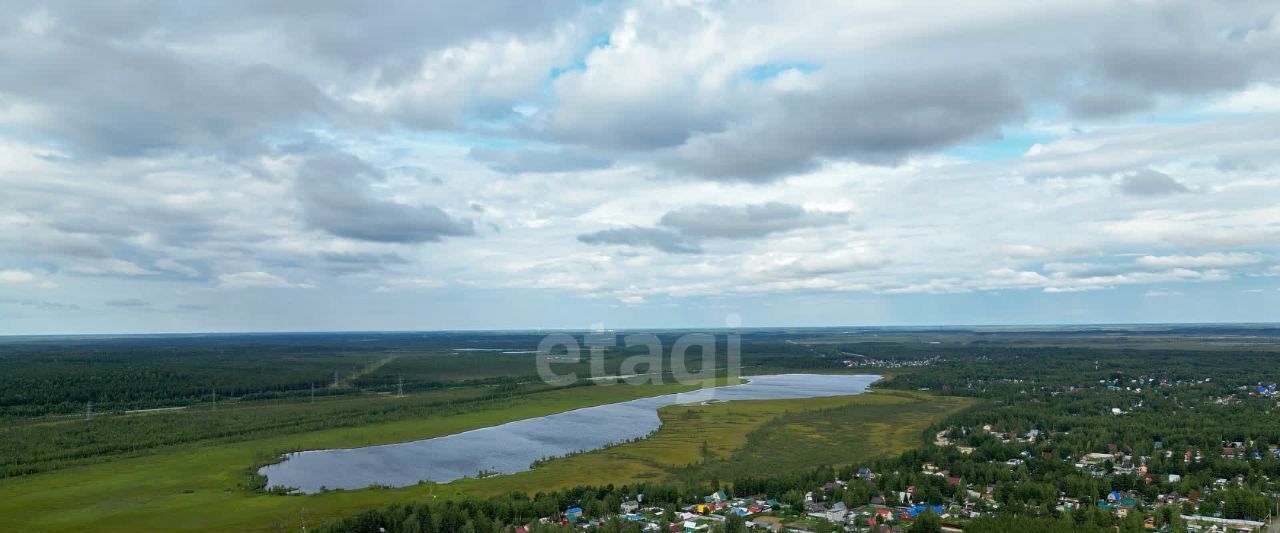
(64,375)
(32,447)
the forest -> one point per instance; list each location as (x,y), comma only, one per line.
(1184,417)
(1173,411)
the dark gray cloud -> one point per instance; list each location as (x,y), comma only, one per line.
(660,239)
(153,77)
(116,221)
(868,108)
(104,98)
(682,230)
(353,262)
(335,196)
(879,122)
(133,303)
(515,161)
(42,305)
(1147,182)
(1167,67)
(1127,77)
(745,222)
(1099,103)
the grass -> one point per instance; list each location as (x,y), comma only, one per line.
(883,423)
(202,488)
(744,438)
(40,445)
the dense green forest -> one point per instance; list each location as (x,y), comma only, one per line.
(64,375)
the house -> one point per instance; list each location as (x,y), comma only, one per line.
(769,522)
(1233,524)
(691,526)
(835,513)
(915,510)
(630,506)
(573,515)
(1174,478)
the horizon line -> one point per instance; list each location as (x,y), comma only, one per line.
(11,336)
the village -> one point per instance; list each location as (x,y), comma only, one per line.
(860,504)
(822,511)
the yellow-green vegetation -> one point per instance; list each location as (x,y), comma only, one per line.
(204,486)
(37,445)
(734,439)
(882,423)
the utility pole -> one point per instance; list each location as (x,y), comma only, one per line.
(88,411)
(313,392)
(400,388)
(335,379)
(215,398)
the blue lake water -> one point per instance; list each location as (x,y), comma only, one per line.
(511,447)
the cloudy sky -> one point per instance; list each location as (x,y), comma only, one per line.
(300,165)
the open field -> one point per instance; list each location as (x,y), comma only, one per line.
(37,445)
(202,486)
(743,438)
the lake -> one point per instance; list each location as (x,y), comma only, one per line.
(511,447)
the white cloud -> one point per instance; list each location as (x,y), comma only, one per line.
(257,280)
(1214,259)
(1259,98)
(19,277)
(654,154)
(393,285)
(175,266)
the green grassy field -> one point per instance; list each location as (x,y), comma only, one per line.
(202,488)
(758,437)
(199,487)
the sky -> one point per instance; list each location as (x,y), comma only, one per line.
(307,166)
